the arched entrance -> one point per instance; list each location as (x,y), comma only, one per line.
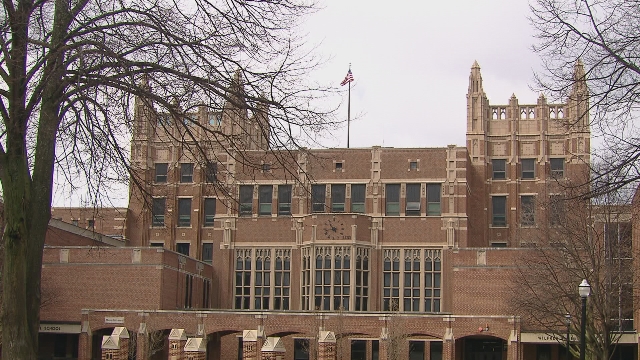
(483,348)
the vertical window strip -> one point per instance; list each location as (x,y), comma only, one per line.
(282,279)
(362,280)
(243,279)
(411,285)
(391,280)
(306,278)
(432,280)
(262,279)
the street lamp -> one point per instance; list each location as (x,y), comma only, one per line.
(567,318)
(584,289)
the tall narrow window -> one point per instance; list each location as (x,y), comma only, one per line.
(207,252)
(157,211)
(206,290)
(528,168)
(246,200)
(337,197)
(411,286)
(188,291)
(499,169)
(557,168)
(211,172)
(391,280)
(209,211)
(413,200)
(499,210)
(341,282)
(283,280)
(362,280)
(265,199)
(358,350)
(527,210)
(392,198)
(243,279)
(184,212)
(357,198)
(284,199)
(432,280)
(186,172)
(306,279)
(318,198)
(301,349)
(262,287)
(323,282)
(433,199)
(161,172)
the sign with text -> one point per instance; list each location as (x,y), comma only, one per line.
(114,319)
(60,328)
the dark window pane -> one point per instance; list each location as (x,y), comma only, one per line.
(161,172)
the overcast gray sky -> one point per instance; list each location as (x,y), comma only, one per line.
(411,61)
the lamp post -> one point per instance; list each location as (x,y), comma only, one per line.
(567,318)
(584,289)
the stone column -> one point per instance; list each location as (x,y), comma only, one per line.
(273,349)
(326,345)
(177,340)
(448,345)
(383,348)
(250,345)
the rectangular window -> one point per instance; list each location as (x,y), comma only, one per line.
(358,193)
(262,276)
(182,248)
(284,199)
(527,211)
(186,172)
(528,168)
(157,211)
(184,212)
(499,169)
(209,211)
(413,200)
(211,172)
(499,211)
(557,168)
(188,291)
(207,252)
(411,286)
(433,200)
(161,172)
(206,290)
(362,280)
(416,350)
(318,198)
(265,199)
(392,198)
(337,197)
(246,200)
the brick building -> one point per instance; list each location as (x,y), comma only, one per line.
(368,253)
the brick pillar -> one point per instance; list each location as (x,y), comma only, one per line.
(250,345)
(513,346)
(448,345)
(383,345)
(177,340)
(427,350)
(195,349)
(84,344)
(116,345)
(142,341)
(273,349)
(326,345)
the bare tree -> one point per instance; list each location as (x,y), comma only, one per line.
(585,239)
(70,71)
(602,36)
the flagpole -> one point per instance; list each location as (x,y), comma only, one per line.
(348,112)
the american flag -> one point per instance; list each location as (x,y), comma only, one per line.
(347,79)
